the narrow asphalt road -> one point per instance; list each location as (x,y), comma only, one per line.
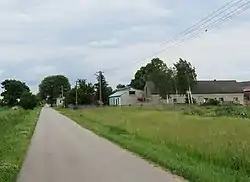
(62,151)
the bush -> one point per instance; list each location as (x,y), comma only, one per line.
(212,102)
(28,101)
(238,111)
(187,102)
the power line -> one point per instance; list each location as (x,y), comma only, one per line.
(216,21)
(215,24)
(206,19)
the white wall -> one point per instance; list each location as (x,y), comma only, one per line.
(200,97)
(114,101)
(59,102)
(126,99)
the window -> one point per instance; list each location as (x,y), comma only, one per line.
(235,99)
(221,99)
(205,100)
(131,92)
(175,100)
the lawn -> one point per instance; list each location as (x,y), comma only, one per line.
(16,129)
(203,149)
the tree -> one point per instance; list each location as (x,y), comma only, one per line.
(158,72)
(120,86)
(85,93)
(140,79)
(13,89)
(105,89)
(155,69)
(51,87)
(185,76)
(28,101)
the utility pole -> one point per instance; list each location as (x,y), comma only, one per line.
(76,94)
(62,96)
(100,86)
(62,91)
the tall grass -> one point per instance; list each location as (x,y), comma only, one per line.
(16,129)
(198,148)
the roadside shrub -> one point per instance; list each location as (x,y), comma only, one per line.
(212,102)
(187,102)
(231,110)
(28,101)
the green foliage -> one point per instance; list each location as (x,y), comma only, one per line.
(51,87)
(185,76)
(106,90)
(201,149)
(28,101)
(211,102)
(16,129)
(13,89)
(167,80)
(119,86)
(233,111)
(85,93)
(140,79)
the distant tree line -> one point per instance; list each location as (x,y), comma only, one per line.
(17,93)
(86,93)
(179,77)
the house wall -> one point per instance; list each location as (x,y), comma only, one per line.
(59,102)
(126,98)
(114,101)
(200,97)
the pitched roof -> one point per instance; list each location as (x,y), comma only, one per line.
(208,87)
(118,93)
(217,87)
(245,84)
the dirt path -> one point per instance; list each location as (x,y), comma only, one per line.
(62,151)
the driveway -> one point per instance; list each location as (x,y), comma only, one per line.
(62,151)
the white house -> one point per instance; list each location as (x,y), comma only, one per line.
(222,90)
(59,102)
(126,96)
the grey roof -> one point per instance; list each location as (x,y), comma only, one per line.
(118,93)
(244,84)
(217,87)
(208,87)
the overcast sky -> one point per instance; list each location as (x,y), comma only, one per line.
(79,37)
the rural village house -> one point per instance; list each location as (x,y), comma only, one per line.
(246,89)
(125,96)
(224,91)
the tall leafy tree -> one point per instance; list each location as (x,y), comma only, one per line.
(13,89)
(140,79)
(105,89)
(51,87)
(28,101)
(158,72)
(85,93)
(185,76)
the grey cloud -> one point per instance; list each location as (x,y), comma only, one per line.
(78,38)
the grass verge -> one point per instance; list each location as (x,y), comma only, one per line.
(16,130)
(201,149)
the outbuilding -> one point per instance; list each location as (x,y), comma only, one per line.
(126,96)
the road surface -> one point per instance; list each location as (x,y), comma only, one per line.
(62,151)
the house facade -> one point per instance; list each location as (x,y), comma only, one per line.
(59,102)
(125,97)
(224,91)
